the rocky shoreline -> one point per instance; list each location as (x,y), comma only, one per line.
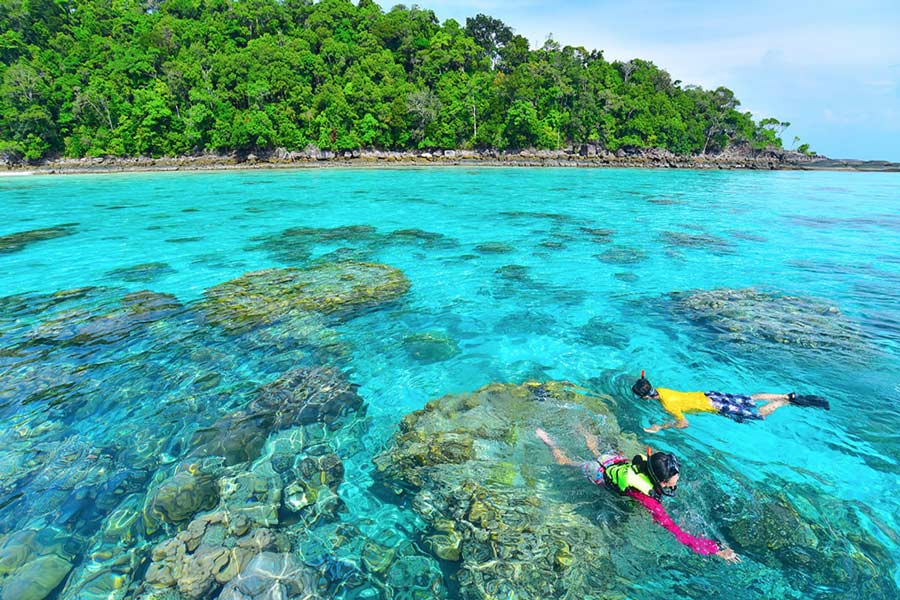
(584,156)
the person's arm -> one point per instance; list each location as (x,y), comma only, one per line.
(698,544)
(679,424)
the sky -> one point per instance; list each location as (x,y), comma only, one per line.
(832,69)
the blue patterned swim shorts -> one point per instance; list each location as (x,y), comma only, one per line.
(734,406)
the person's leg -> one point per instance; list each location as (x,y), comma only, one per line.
(772,402)
(769,397)
(590,440)
(558,455)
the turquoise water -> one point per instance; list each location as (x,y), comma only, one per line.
(525,274)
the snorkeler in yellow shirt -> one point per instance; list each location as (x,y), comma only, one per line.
(739,407)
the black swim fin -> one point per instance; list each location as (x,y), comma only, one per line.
(809,401)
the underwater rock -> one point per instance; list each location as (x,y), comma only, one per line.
(298,495)
(297,244)
(430,347)
(425,239)
(752,317)
(185,240)
(706,241)
(316,487)
(20,305)
(415,577)
(817,539)
(516,273)
(627,277)
(106,574)
(598,235)
(236,437)
(262,297)
(299,397)
(270,576)
(142,273)
(180,497)
(324,470)
(36,579)
(474,471)
(599,331)
(71,479)
(306,395)
(122,525)
(253,496)
(527,322)
(15,242)
(494,248)
(33,563)
(85,326)
(376,558)
(209,553)
(521,214)
(552,244)
(622,255)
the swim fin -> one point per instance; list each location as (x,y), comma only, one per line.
(809,401)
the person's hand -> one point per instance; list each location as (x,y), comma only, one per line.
(653,428)
(727,554)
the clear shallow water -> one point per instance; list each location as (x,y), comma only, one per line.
(536,274)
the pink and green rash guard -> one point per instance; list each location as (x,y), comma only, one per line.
(697,544)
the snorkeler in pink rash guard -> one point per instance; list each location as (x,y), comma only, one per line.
(645,480)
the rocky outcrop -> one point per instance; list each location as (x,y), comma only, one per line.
(585,155)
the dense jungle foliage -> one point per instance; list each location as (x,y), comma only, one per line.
(172,77)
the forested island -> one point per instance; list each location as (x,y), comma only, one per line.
(177,78)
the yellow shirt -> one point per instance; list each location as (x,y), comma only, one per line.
(678,403)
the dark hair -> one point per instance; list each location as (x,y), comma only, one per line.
(660,467)
(642,387)
(663,466)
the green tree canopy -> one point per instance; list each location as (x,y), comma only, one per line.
(167,77)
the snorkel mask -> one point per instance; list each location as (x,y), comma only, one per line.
(642,387)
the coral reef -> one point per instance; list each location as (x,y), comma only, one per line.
(753,317)
(705,241)
(430,346)
(470,465)
(14,242)
(494,248)
(86,325)
(622,255)
(33,563)
(793,530)
(143,273)
(263,297)
(301,396)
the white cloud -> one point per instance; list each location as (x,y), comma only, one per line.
(707,61)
